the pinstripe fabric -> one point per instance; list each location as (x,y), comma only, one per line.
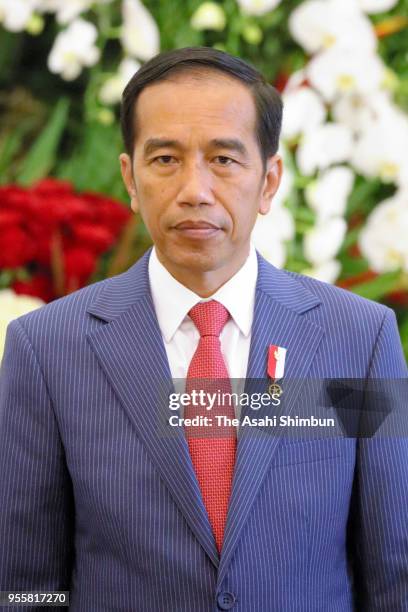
(95,501)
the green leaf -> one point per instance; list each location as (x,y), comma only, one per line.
(296,265)
(363,196)
(305,214)
(6,277)
(379,286)
(351,238)
(42,155)
(351,266)
(10,146)
(94,164)
(10,48)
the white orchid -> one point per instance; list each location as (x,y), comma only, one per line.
(377,6)
(359,111)
(383,240)
(111,91)
(320,24)
(328,144)
(278,223)
(208,16)
(328,194)
(327,272)
(339,71)
(270,233)
(73,49)
(16,14)
(323,241)
(381,150)
(66,11)
(140,34)
(303,109)
(13,306)
(257,7)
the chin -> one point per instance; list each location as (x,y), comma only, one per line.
(199,260)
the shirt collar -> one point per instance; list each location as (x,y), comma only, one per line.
(172,300)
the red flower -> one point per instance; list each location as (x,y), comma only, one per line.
(79,264)
(356,279)
(95,237)
(108,212)
(51,186)
(38,286)
(14,197)
(16,248)
(9,217)
(54,209)
(84,225)
(41,237)
(399,298)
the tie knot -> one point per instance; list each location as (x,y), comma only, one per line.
(209,317)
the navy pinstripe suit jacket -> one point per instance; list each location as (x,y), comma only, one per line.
(93,501)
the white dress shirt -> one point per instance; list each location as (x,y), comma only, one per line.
(172,302)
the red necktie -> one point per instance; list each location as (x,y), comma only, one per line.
(212,448)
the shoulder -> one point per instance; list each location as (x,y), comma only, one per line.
(106,298)
(314,298)
(350,321)
(63,309)
(341,302)
(360,332)
(64,321)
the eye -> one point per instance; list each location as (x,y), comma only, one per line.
(165,160)
(223,160)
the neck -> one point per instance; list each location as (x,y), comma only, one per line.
(204,282)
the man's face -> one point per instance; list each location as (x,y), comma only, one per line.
(197,176)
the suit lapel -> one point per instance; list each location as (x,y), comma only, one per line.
(280,304)
(131,352)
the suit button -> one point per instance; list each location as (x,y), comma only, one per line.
(226,600)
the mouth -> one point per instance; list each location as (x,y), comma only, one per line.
(197,229)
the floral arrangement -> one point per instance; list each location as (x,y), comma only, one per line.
(51,238)
(341,214)
(344,139)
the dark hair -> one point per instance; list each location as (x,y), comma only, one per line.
(268,102)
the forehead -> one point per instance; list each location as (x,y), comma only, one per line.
(208,104)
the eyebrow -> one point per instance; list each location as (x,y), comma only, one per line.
(232,144)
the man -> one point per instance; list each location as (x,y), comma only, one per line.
(96,498)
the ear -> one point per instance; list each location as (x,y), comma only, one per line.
(272,179)
(127,176)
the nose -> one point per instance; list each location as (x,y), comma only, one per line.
(196,187)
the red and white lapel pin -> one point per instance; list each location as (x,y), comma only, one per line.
(276,367)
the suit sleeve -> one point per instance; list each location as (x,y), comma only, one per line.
(36,500)
(379,533)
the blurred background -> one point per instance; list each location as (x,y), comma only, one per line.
(341,214)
